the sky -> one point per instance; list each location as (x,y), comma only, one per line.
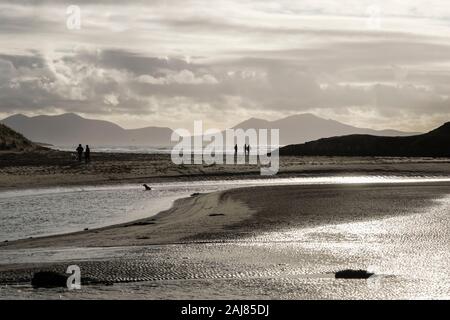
(375,64)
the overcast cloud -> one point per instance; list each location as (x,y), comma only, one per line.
(378,64)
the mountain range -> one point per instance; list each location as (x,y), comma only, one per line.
(435,143)
(70,129)
(307,127)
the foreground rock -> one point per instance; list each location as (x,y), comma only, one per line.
(353,274)
(49,279)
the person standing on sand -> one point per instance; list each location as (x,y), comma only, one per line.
(79,152)
(235,149)
(87,154)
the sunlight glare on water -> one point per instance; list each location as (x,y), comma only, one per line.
(409,254)
(45,211)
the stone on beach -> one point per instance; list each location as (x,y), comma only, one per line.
(49,279)
(353,274)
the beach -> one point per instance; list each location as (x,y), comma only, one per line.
(224,150)
(248,212)
(56,168)
(261,242)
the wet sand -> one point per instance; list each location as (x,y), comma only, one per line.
(53,168)
(247,212)
(258,242)
(267,242)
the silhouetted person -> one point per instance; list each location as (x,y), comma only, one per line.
(245,149)
(79,152)
(235,149)
(248,149)
(87,154)
(147,188)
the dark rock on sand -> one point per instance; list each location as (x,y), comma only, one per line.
(216,214)
(140,223)
(49,279)
(353,274)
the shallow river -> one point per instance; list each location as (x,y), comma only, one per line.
(409,254)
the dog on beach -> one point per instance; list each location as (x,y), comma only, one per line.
(147,188)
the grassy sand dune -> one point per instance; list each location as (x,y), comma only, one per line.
(12,141)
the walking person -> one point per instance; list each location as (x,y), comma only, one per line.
(79,152)
(87,154)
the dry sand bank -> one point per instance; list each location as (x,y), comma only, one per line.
(45,169)
(247,212)
(270,242)
(186,218)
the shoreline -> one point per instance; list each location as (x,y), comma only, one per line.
(236,241)
(242,212)
(57,169)
(167,227)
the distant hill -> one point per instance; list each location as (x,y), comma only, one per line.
(435,143)
(13,141)
(71,129)
(306,127)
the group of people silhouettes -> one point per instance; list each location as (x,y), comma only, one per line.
(87,153)
(246,149)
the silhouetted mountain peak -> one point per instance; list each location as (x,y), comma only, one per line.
(252,123)
(444,129)
(304,127)
(255,119)
(302,116)
(432,144)
(17,116)
(70,115)
(71,128)
(64,116)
